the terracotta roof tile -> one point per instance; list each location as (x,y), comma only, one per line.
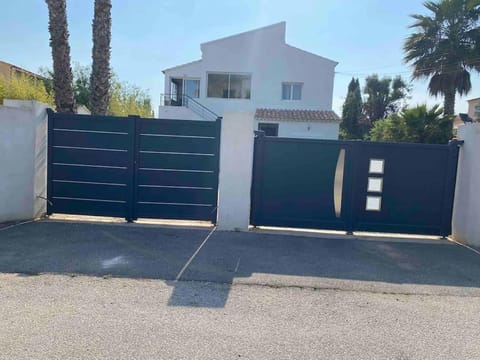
(296,115)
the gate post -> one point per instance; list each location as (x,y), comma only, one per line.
(449,194)
(218,134)
(256,190)
(50,132)
(132,167)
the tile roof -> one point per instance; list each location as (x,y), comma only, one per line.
(296,115)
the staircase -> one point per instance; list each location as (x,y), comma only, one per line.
(183,107)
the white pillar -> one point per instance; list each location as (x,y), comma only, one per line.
(235,177)
(466,209)
(23,159)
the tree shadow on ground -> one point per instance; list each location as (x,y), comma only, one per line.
(152,252)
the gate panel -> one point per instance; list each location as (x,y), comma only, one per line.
(89,167)
(414,192)
(294,183)
(177,169)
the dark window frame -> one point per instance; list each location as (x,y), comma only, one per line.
(229,75)
(270,129)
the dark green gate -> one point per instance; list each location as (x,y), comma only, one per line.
(133,167)
(353,185)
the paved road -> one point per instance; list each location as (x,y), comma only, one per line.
(416,267)
(244,295)
(60,317)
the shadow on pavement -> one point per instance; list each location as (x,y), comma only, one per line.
(160,253)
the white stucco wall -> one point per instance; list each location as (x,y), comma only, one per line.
(23,160)
(235,177)
(177,113)
(466,210)
(305,130)
(270,61)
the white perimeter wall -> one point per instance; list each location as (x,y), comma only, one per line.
(23,159)
(466,210)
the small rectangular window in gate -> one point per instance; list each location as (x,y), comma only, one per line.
(376,166)
(375,184)
(374,203)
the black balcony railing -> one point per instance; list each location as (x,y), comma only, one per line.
(188,102)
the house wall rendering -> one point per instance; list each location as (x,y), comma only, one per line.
(258,69)
(264,55)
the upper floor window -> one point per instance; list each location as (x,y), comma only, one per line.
(229,86)
(292,91)
(192,88)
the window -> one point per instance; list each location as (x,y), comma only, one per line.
(477,110)
(192,88)
(376,166)
(229,86)
(291,91)
(374,203)
(269,129)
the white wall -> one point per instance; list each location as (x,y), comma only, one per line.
(307,130)
(177,113)
(265,55)
(23,159)
(235,177)
(466,209)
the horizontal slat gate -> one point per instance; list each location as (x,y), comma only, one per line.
(177,169)
(90,167)
(132,167)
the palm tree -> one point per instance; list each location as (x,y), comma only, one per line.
(446,47)
(100,77)
(62,70)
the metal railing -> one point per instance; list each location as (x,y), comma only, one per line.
(188,102)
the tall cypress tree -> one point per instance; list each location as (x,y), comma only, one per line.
(350,127)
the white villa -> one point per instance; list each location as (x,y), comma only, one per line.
(289,89)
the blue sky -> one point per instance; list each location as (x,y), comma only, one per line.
(364,36)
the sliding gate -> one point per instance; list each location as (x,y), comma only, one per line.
(354,185)
(133,167)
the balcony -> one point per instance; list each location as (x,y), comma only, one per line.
(183,107)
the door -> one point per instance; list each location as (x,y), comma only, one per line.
(299,183)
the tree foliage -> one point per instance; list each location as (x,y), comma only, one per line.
(125,99)
(129,99)
(445,47)
(24,87)
(351,126)
(383,96)
(414,125)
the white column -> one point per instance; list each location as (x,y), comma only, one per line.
(466,209)
(235,178)
(23,160)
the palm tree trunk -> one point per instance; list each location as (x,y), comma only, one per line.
(62,71)
(100,78)
(449,102)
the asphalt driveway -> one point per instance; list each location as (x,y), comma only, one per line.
(152,252)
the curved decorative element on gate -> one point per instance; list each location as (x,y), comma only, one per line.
(338,183)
